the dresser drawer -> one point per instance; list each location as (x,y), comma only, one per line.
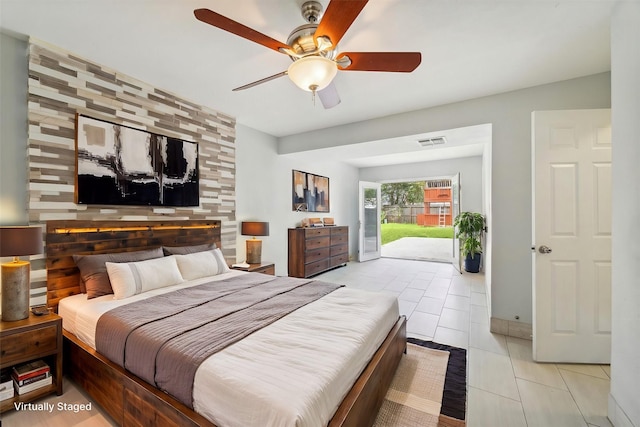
(337,239)
(316,232)
(316,267)
(268,270)
(22,346)
(338,260)
(317,242)
(344,231)
(316,255)
(339,249)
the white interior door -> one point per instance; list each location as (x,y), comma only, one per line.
(572,236)
(369,215)
(455,211)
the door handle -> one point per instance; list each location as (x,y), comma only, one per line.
(544,249)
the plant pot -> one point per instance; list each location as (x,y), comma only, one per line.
(472,263)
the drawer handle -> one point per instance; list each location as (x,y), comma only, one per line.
(37,343)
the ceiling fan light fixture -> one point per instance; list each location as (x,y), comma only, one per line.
(312,73)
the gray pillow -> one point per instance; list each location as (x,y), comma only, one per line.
(93,271)
(186,250)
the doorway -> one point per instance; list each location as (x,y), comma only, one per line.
(417,220)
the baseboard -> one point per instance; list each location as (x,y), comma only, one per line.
(511,328)
(616,414)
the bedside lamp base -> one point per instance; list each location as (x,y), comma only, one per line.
(254,251)
(15,290)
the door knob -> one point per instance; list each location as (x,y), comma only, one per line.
(544,249)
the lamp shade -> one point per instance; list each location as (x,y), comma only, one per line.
(255,228)
(20,241)
(312,73)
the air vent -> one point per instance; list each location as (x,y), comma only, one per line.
(430,142)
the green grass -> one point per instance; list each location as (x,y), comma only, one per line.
(391,232)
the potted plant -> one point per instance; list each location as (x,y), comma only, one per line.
(469,227)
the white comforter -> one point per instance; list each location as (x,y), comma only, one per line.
(295,372)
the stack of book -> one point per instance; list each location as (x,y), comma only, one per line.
(31,376)
(6,386)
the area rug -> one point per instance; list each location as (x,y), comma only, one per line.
(428,389)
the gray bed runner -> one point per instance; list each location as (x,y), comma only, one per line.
(165,338)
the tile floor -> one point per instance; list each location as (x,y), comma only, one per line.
(505,387)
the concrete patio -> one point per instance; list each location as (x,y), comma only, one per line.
(419,248)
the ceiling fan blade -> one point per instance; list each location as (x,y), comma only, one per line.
(400,62)
(259,82)
(329,96)
(337,19)
(212,18)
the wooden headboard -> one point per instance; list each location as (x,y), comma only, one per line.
(66,238)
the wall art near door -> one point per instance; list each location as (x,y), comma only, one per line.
(310,192)
(119,165)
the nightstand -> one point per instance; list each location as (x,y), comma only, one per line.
(22,341)
(264,268)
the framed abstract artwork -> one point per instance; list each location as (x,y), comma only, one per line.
(120,165)
(310,192)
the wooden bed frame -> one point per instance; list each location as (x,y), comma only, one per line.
(133,402)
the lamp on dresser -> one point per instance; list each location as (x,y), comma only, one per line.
(254,246)
(17,242)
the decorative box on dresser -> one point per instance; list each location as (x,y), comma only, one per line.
(314,250)
(34,338)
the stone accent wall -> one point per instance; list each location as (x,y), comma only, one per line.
(62,84)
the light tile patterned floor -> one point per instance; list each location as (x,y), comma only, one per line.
(505,387)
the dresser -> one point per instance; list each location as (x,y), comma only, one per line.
(314,250)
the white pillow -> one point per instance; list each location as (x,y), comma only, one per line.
(197,265)
(132,278)
(223,267)
(201,264)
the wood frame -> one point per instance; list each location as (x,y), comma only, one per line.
(128,399)
(66,238)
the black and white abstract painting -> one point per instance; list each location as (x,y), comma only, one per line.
(119,165)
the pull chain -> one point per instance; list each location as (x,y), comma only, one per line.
(313,93)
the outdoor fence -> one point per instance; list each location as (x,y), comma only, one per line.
(402,214)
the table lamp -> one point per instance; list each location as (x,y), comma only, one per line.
(16,242)
(254,246)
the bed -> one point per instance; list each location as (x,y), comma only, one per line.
(217,395)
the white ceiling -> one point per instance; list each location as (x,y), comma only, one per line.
(470,48)
(462,142)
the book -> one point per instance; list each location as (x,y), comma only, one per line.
(6,387)
(31,379)
(241,265)
(5,379)
(7,394)
(31,369)
(33,386)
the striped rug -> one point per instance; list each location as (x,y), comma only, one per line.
(428,389)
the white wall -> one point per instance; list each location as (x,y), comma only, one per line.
(264,192)
(13,130)
(510,200)
(255,187)
(470,169)
(624,408)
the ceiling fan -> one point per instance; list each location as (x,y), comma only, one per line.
(313,48)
